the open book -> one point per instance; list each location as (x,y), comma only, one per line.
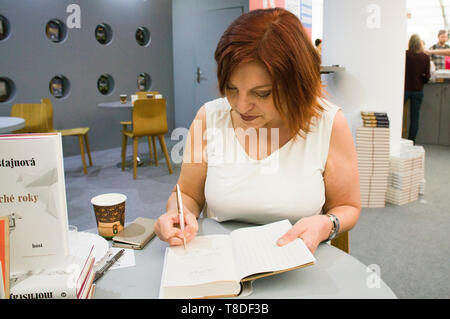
(216,265)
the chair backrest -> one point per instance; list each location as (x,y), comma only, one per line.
(342,242)
(149,117)
(35,116)
(49,109)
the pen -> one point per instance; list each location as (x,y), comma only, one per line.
(108,264)
(180,211)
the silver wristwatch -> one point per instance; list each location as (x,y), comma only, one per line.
(336,225)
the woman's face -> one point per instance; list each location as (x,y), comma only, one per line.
(249,92)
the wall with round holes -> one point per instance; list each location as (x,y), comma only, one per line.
(115,47)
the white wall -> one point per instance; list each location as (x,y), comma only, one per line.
(368,38)
(317,19)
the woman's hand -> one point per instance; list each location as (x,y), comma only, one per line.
(167,227)
(312,230)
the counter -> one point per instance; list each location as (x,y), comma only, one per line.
(434,126)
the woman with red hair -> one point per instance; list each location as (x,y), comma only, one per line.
(271,148)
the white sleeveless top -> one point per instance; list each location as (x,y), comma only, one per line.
(286,184)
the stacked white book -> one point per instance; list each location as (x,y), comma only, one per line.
(373,149)
(406,175)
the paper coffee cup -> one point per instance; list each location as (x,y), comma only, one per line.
(109,212)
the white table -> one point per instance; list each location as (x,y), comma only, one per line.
(334,275)
(10,124)
(116,105)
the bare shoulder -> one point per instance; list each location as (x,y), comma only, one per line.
(201,113)
(340,133)
(342,148)
(200,118)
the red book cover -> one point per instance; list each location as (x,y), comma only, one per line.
(4,254)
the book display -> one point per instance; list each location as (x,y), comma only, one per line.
(373,149)
(32,194)
(33,203)
(406,175)
(217,265)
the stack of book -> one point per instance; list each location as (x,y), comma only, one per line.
(406,174)
(75,281)
(373,149)
(375,119)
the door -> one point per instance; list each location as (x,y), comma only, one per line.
(197,27)
(206,76)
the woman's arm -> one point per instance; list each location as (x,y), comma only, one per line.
(192,182)
(341,176)
(342,197)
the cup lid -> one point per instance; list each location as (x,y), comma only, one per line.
(108,199)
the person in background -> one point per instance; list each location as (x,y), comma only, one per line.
(318,44)
(438,58)
(417,73)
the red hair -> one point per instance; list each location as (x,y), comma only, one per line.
(275,38)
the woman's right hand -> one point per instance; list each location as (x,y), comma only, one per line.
(167,227)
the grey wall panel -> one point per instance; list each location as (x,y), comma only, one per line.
(30,59)
(429,114)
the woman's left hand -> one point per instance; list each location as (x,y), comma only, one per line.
(312,230)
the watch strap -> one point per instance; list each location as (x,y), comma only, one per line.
(336,226)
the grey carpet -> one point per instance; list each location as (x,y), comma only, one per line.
(410,243)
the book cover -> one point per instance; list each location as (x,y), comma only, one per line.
(32,194)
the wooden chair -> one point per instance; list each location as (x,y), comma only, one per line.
(149,119)
(80,132)
(341,242)
(35,116)
(39,119)
(142,95)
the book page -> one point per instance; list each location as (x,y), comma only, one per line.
(206,259)
(256,249)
